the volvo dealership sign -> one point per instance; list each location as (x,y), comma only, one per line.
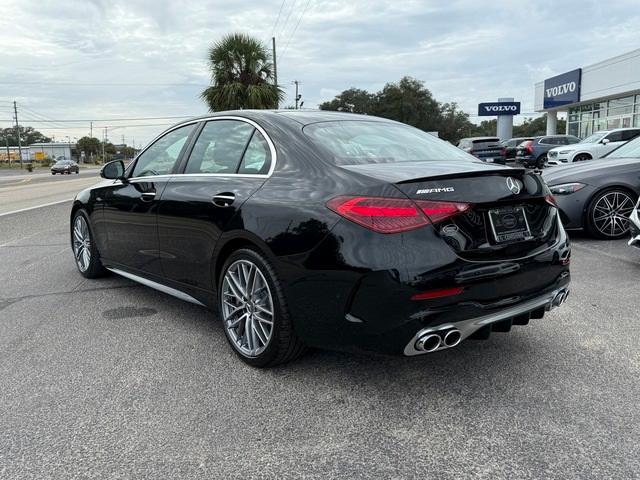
(562,89)
(492,109)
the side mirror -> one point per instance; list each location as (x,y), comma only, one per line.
(113,170)
(604,141)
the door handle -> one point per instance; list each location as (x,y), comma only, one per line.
(147,196)
(224,199)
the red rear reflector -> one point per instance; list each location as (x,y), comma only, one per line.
(393,215)
(443,292)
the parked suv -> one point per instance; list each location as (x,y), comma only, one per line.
(594,146)
(533,153)
(487,149)
(510,147)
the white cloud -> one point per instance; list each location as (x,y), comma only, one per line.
(122,58)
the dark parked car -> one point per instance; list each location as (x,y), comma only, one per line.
(65,166)
(599,195)
(533,153)
(327,229)
(510,147)
(487,149)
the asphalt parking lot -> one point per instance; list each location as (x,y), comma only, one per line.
(109,379)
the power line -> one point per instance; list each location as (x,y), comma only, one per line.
(133,119)
(275,25)
(107,84)
(284,28)
(295,29)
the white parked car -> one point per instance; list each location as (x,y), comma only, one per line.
(594,146)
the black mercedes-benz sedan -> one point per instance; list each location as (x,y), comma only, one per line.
(324,229)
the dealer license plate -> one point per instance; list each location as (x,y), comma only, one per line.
(509,224)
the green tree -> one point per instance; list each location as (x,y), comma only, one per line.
(241,75)
(28,135)
(89,145)
(353,100)
(533,127)
(407,101)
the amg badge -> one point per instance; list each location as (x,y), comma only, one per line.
(435,190)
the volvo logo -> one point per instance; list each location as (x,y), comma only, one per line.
(513,185)
(561,89)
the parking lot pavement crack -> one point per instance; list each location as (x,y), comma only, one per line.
(6,302)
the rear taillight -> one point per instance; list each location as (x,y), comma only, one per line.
(528,146)
(503,152)
(393,215)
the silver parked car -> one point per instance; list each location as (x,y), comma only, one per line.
(598,196)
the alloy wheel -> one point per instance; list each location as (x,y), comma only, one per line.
(611,212)
(247,308)
(82,243)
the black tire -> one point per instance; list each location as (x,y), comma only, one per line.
(591,224)
(95,268)
(582,157)
(542,160)
(53,173)
(283,345)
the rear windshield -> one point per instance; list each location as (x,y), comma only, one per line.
(359,142)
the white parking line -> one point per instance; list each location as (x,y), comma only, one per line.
(37,206)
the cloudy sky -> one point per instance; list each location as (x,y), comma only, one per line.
(114,60)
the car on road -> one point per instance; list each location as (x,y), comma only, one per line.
(327,229)
(598,196)
(592,147)
(487,149)
(634,226)
(510,147)
(533,153)
(65,166)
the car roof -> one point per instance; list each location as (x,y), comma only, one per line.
(480,138)
(304,117)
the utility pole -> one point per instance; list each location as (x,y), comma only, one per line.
(275,68)
(298,96)
(15,110)
(90,129)
(104,139)
(6,141)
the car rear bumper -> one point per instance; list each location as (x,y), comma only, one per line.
(372,309)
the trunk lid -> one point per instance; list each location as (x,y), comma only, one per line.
(499,198)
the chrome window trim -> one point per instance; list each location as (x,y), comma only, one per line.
(272,150)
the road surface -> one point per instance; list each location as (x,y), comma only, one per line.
(108,379)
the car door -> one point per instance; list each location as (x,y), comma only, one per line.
(128,228)
(229,161)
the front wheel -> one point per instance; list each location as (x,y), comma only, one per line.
(85,251)
(608,213)
(254,312)
(583,157)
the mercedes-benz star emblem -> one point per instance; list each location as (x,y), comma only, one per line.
(513,185)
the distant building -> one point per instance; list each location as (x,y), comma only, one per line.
(41,151)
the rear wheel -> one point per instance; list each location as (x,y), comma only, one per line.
(542,161)
(254,312)
(608,213)
(85,251)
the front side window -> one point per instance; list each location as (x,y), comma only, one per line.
(219,147)
(161,156)
(353,142)
(614,136)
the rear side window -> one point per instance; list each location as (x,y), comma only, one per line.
(354,142)
(257,156)
(629,134)
(220,147)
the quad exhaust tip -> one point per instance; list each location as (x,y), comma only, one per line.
(560,298)
(434,341)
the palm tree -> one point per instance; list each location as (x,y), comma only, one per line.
(241,75)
